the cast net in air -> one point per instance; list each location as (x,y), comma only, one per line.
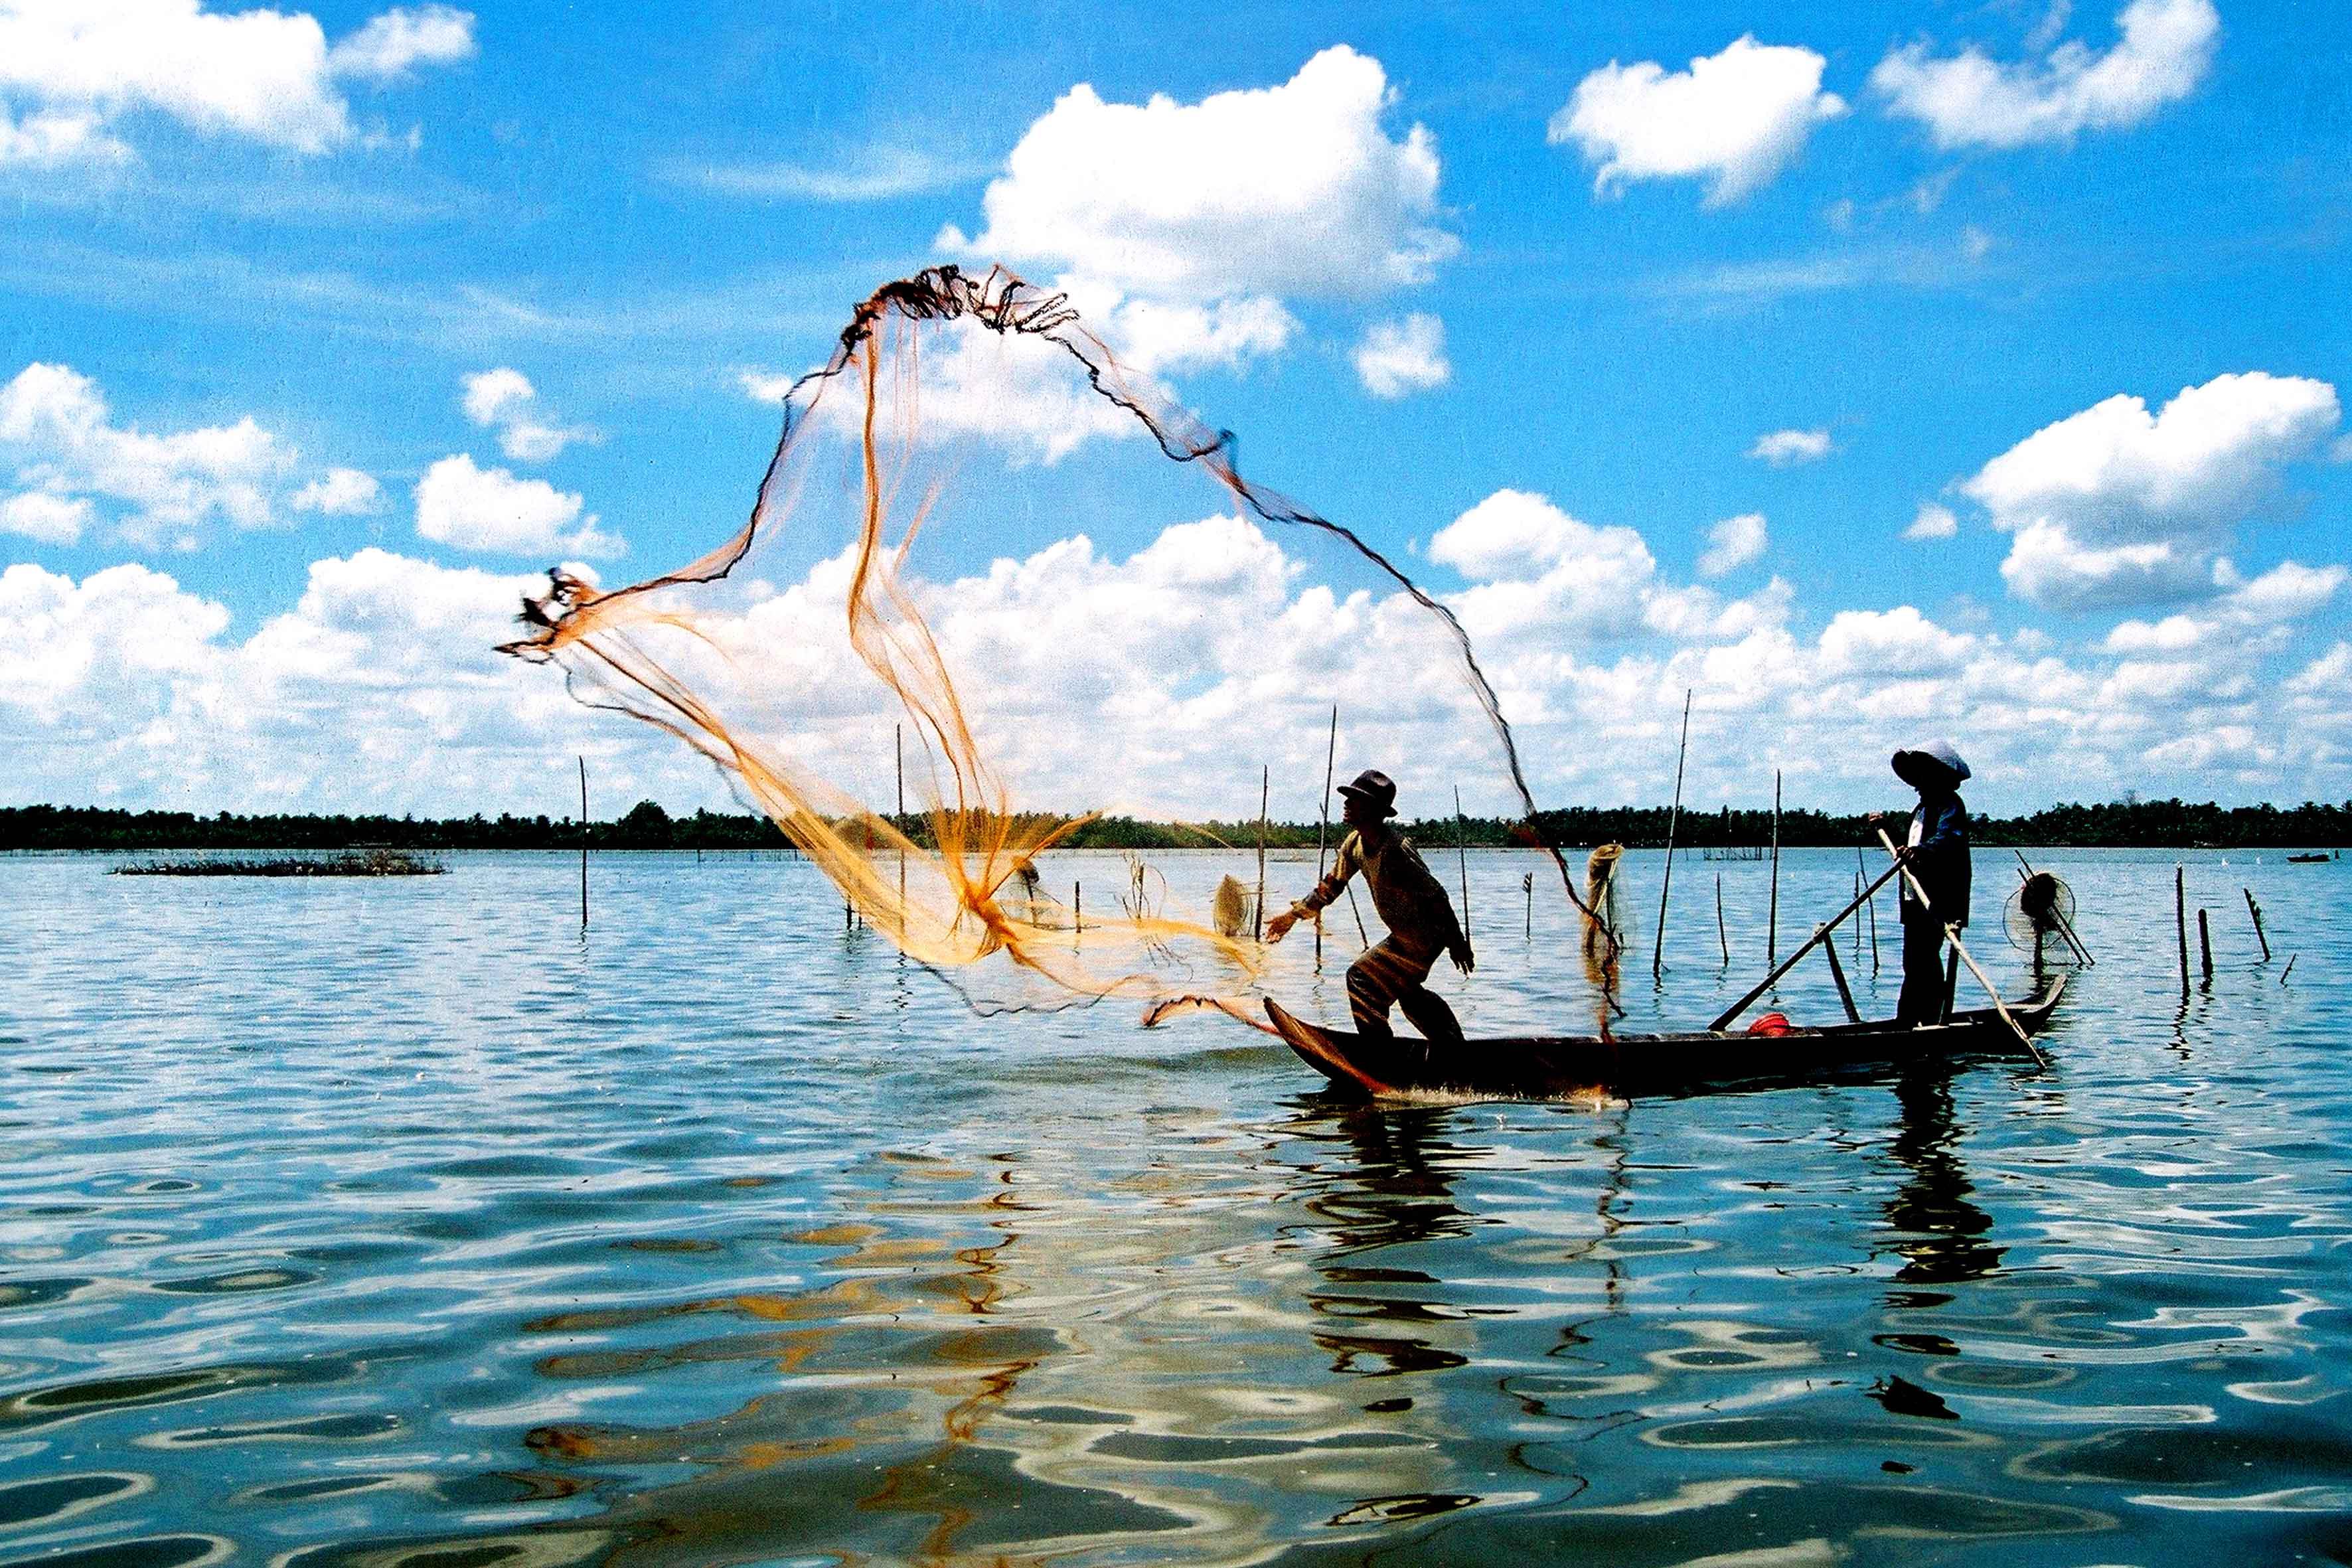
(981,529)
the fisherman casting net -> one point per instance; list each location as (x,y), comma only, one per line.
(980,524)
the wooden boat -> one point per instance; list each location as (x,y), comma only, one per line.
(1628,1065)
(2307,859)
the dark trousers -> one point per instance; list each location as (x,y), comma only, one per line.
(1924,988)
(1392,974)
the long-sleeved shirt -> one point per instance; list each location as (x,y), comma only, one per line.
(1409,898)
(1939,859)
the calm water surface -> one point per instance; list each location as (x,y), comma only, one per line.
(397,1223)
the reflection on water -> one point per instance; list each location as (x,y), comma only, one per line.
(1940,1234)
(398,1226)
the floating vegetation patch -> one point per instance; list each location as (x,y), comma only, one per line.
(350,863)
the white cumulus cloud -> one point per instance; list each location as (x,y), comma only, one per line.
(489,509)
(1970,100)
(76,70)
(163,490)
(1737,118)
(1733,543)
(1399,357)
(1782,448)
(2116,505)
(1933,521)
(342,492)
(46,518)
(392,46)
(1182,230)
(1294,189)
(505,400)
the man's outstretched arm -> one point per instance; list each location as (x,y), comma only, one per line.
(1343,866)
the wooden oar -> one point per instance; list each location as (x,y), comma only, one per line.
(1789,962)
(1952,935)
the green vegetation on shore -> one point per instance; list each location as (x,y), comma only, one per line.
(2167,823)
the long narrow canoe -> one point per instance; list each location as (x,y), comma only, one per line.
(1543,1067)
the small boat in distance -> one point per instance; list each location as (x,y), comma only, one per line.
(1545,1067)
(2312,859)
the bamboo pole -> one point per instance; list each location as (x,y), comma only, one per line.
(1785,964)
(2255,910)
(1461,854)
(2180,922)
(1721,936)
(1264,796)
(1673,818)
(1858,925)
(1772,920)
(583,843)
(1874,915)
(1952,935)
(1527,886)
(2205,943)
(1078,909)
(1323,826)
(1837,972)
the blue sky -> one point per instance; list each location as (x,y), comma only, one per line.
(1905,239)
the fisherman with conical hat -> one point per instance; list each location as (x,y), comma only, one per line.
(1410,901)
(1937,852)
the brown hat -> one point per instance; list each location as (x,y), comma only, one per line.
(1375,788)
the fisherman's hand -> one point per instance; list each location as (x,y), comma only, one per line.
(1279,926)
(1464,959)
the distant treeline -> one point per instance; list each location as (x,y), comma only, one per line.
(2168,824)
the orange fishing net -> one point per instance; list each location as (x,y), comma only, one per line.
(978,418)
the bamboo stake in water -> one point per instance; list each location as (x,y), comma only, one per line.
(1323,825)
(1673,817)
(1527,886)
(1078,909)
(1264,795)
(1721,936)
(583,843)
(2255,910)
(1772,920)
(2205,943)
(2181,924)
(1462,853)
